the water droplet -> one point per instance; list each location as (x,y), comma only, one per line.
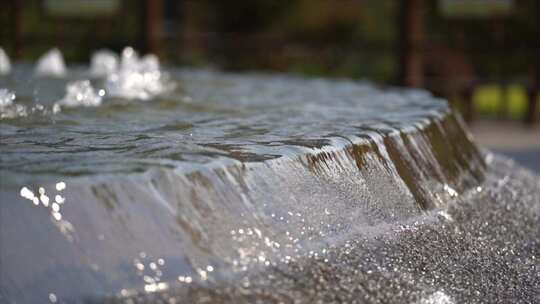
(55,207)
(44,200)
(57,216)
(60,186)
(59,199)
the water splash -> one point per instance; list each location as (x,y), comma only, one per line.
(6,98)
(80,94)
(138,78)
(51,64)
(8,108)
(5,65)
(103,63)
(132,77)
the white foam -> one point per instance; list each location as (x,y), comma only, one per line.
(51,64)
(5,65)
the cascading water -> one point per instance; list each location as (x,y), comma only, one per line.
(194,185)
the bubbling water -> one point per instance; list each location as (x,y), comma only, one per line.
(81,93)
(131,77)
(8,109)
(136,77)
(6,98)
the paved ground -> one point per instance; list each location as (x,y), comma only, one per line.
(512,139)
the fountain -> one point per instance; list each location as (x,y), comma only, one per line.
(51,64)
(137,78)
(6,98)
(197,185)
(103,62)
(5,65)
(80,94)
(8,109)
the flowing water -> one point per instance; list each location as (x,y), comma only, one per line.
(126,183)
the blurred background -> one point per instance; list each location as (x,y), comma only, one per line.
(481,55)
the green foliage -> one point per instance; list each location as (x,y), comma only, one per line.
(494,101)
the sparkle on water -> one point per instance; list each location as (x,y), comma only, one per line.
(199,186)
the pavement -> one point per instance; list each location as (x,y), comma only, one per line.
(510,138)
